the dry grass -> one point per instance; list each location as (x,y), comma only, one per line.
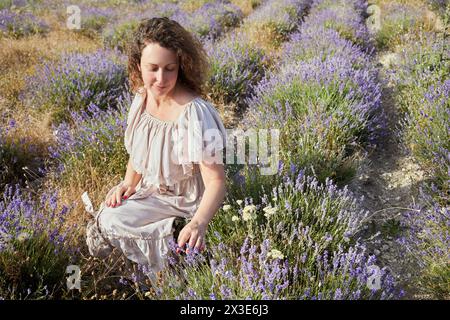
(20,57)
(192,5)
(90,179)
(264,36)
(247,6)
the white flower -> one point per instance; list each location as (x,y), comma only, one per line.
(248,215)
(239,202)
(250,208)
(226,207)
(269,211)
(234,218)
(5,239)
(249,212)
(275,254)
(23,236)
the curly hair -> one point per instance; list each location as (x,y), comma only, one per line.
(194,66)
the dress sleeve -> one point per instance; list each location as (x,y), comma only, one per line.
(132,120)
(202,137)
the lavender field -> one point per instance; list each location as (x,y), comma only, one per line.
(358,208)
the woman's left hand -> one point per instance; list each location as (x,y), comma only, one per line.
(194,235)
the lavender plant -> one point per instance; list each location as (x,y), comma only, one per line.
(324,107)
(259,271)
(296,201)
(346,17)
(17,154)
(34,249)
(427,243)
(428,133)
(236,66)
(98,136)
(310,43)
(211,20)
(296,243)
(275,20)
(77,81)
(397,20)
(116,34)
(16,25)
(422,93)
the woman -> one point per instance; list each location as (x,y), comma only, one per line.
(170,173)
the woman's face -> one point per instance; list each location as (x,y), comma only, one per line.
(159,69)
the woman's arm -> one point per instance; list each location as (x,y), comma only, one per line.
(215,190)
(132,178)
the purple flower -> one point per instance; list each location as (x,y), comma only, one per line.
(17,25)
(77,82)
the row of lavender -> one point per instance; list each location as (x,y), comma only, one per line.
(96,132)
(422,92)
(239,61)
(113,23)
(17,25)
(325,94)
(209,22)
(295,237)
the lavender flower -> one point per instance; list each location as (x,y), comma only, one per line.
(77,81)
(16,26)
(103,129)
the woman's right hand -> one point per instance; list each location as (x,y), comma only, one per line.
(115,195)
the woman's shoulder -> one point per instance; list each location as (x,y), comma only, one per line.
(202,110)
(202,107)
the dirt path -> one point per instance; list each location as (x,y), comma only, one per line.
(389,181)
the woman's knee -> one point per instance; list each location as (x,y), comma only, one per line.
(105,219)
(110,217)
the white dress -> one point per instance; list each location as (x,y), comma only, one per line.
(167,154)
